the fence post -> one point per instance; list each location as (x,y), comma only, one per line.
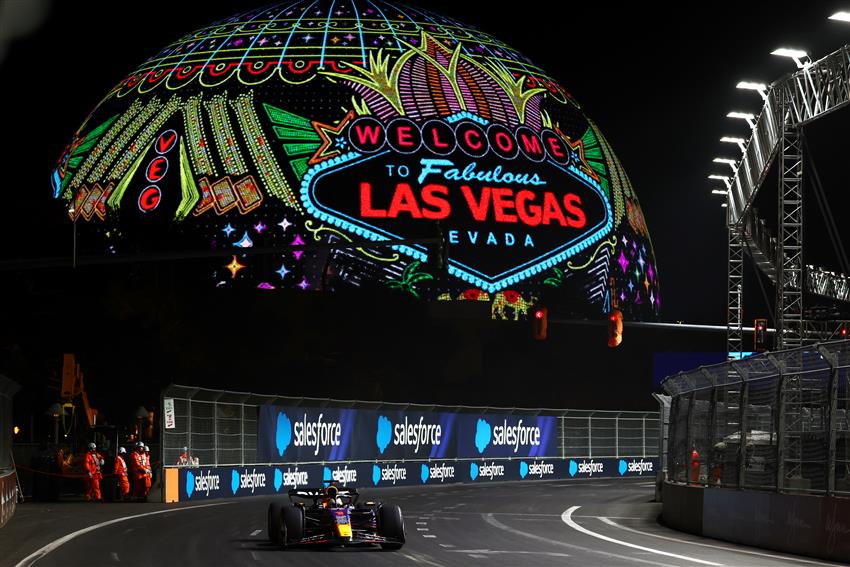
(780,423)
(242,433)
(189,426)
(742,422)
(563,438)
(833,410)
(589,436)
(617,436)
(215,432)
(712,423)
(643,435)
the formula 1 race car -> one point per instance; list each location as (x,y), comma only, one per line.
(333,516)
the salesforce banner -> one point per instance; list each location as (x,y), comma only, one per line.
(301,434)
(494,435)
(203,483)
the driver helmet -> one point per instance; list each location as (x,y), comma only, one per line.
(92,446)
(121,450)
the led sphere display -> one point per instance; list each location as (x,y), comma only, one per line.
(362,144)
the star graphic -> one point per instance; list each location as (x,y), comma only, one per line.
(234,266)
(263,41)
(650,272)
(349,37)
(625,241)
(641,261)
(284,224)
(335,40)
(646,284)
(308,38)
(278,42)
(265,285)
(245,241)
(622,296)
(303,284)
(637,273)
(623,261)
(631,286)
(282,271)
(651,297)
(297,242)
(228,230)
(260,227)
(329,134)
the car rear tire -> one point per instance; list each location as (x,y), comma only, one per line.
(391,525)
(276,528)
(293,522)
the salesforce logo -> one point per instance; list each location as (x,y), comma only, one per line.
(246,480)
(486,471)
(202,483)
(389,473)
(584,467)
(634,466)
(504,435)
(439,472)
(291,477)
(305,433)
(482,435)
(536,468)
(283,433)
(417,434)
(343,475)
(382,438)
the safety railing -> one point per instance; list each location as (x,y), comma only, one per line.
(220,428)
(775,421)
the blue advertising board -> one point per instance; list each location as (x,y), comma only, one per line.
(303,434)
(205,483)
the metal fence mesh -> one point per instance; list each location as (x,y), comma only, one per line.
(220,427)
(776,421)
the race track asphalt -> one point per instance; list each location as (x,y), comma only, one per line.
(582,523)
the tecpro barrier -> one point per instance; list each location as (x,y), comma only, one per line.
(299,434)
(8,496)
(203,483)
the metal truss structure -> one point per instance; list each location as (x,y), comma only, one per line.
(811,93)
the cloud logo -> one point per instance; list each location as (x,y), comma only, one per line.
(376,474)
(278,480)
(523,469)
(425,473)
(473,471)
(327,476)
(624,466)
(573,468)
(482,435)
(190,484)
(283,433)
(234,481)
(385,429)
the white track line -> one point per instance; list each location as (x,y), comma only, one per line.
(608,521)
(52,546)
(627,558)
(256,533)
(567,518)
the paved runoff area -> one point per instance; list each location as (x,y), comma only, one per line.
(583,523)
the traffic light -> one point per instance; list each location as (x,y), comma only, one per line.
(615,328)
(842,332)
(760,335)
(539,323)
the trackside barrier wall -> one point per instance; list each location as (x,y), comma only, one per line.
(231,436)
(802,524)
(202,483)
(8,477)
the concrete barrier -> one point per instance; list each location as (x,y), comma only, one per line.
(818,526)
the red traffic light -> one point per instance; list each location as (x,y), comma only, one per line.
(539,314)
(760,328)
(540,324)
(843,331)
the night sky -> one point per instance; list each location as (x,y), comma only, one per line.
(657,81)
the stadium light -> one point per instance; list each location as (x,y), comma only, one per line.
(722,178)
(730,162)
(750,118)
(796,54)
(840,17)
(719,192)
(742,143)
(761,88)
(724,205)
